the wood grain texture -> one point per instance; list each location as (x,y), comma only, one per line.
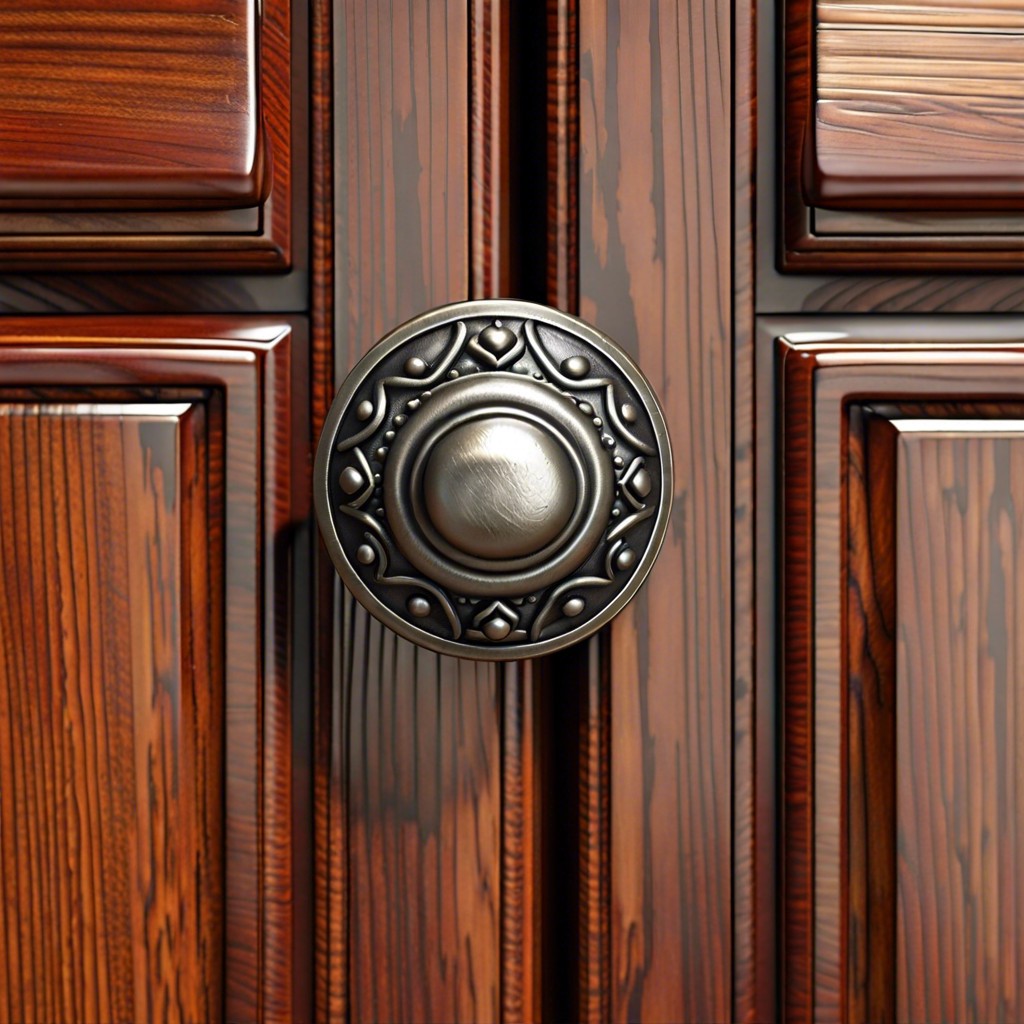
(115,652)
(166,114)
(330,875)
(522,947)
(960,721)
(865,124)
(157,104)
(870,624)
(865,783)
(797,445)
(594,842)
(420,794)
(424,819)
(923,112)
(111,712)
(754,785)
(907,293)
(655,273)
(402,184)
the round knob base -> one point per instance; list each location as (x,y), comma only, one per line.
(494,480)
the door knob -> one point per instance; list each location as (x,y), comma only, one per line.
(494,479)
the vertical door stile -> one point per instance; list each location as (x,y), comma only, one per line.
(330,865)
(656,272)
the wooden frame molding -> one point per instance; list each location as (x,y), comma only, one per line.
(891,445)
(131,188)
(892,219)
(241,385)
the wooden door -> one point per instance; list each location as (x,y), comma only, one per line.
(567,838)
(785,783)
(155,348)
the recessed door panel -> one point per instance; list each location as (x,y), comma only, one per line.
(148,514)
(112,701)
(902,612)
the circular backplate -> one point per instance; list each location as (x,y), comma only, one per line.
(494,480)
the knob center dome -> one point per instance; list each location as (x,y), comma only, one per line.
(499,488)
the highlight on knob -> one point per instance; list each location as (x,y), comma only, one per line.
(494,480)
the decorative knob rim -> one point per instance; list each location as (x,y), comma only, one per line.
(534,369)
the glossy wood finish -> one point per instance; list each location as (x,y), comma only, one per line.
(154,138)
(918,106)
(754,726)
(111,710)
(960,719)
(871,628)
(157,104)
(656,274)
(594,843)
(151,777)
(418,878)
(326,924)
(424,813)
(890,137)
(901,729)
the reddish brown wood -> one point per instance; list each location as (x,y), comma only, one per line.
(907,293)
(321,306)
(870,624)
(111,710)
(864,776)
(151,698)
(170,125)
(795,623)
(418,773)
(522,950)
(424,826)
(330,864)
(960,718)
(594,842)
(917,107)
(156,104)
(754,789)
(402,207)
(883,241)
(655,244)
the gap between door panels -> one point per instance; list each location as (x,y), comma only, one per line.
(524,92)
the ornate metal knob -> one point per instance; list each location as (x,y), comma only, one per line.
(494,480)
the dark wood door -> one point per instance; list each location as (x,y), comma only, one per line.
(567,838)
(785,783)
(155,350)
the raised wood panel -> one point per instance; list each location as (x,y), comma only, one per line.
(924,111)
(157,104)
(111,708)
(153,138)
(145,677)
(902,731)
(656,275)
(960,718)
(902,117)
